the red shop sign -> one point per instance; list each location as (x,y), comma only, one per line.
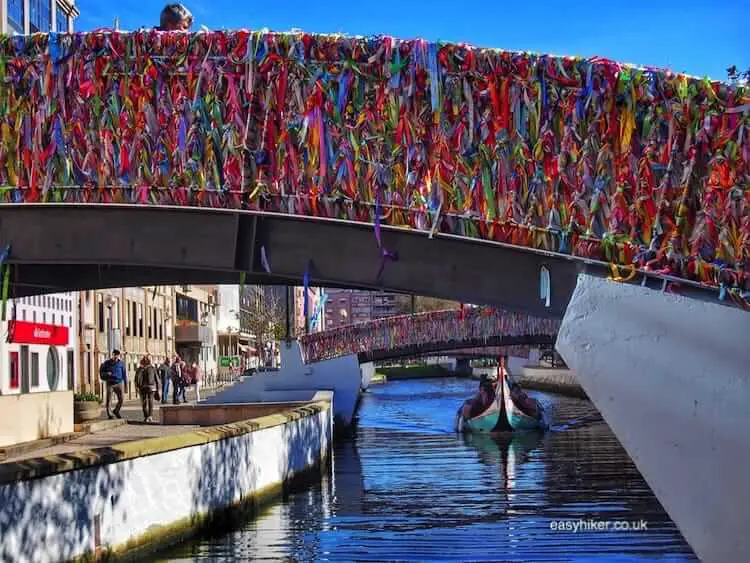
(23,332)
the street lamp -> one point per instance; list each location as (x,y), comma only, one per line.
(204,324)
(110,301)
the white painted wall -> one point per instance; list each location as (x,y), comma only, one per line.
(58,309)
(340,375)
(671,376)
(227,316)
(52,519)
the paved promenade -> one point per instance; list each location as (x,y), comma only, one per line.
(133,428)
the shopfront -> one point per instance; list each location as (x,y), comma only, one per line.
(36,381)
(39,358)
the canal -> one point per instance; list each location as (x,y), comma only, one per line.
(407,488)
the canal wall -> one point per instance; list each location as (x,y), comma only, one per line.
(670,376)
(129,498)
(296,381)
(553,380)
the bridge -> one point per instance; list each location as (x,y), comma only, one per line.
(283,156)
(431,332)
(510,179)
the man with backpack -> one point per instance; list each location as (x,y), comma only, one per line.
(113,373)
(147,383)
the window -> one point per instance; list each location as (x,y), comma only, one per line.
(62,20)
(33,316)
(34,369)
(187,309)
(40,15)
(23,314)
(16,15)
(70,368)
(25,388)
(53,368)
(127,318)
(100,307)
(13,363)
(140,320)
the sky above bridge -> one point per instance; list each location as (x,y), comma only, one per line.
(693,36)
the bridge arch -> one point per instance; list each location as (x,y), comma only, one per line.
(434,331)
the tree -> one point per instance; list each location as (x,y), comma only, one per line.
(263,314)
(424,304)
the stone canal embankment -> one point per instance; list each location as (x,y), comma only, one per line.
(132,497)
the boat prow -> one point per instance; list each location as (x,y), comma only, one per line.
(503,415)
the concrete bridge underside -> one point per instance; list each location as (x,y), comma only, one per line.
(448,348)
(64,247)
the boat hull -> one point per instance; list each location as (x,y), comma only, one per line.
(519,420)
(503,416)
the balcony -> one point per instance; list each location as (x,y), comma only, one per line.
(193,332)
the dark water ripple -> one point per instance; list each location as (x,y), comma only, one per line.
(407,488)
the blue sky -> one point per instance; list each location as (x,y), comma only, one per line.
(698,37)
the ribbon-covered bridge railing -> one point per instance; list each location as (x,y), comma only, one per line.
(635,167)
(428,332)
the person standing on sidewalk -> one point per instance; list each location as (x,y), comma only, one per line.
(198,380)
(113,372)
(147,382)
(165,374)
(177,381)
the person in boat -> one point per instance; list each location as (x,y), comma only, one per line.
(519,396)
(483,399)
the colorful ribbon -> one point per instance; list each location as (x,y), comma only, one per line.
(601,160)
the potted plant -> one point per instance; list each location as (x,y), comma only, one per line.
(86,406)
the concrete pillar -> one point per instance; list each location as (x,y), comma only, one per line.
(463,366)
(671,377)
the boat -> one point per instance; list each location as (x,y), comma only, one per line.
(506,414)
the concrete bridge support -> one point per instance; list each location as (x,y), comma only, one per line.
(463,366)
(671,376)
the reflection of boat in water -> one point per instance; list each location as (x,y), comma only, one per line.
(510,409)
(505,451)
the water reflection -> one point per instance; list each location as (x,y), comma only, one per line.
(408,488)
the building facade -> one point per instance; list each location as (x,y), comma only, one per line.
(138,321)
(229,337)
(37,367)
(20,17)
(39,345)
(349,306)
(195,325)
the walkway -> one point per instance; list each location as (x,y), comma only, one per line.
(135,429)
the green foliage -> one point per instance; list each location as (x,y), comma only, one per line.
(85,398)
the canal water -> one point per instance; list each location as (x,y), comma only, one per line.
(406,487)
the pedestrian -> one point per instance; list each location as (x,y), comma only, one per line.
(175,17)
(197,379)
(147,383)
(165,375)
(178,380)
(114,374)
